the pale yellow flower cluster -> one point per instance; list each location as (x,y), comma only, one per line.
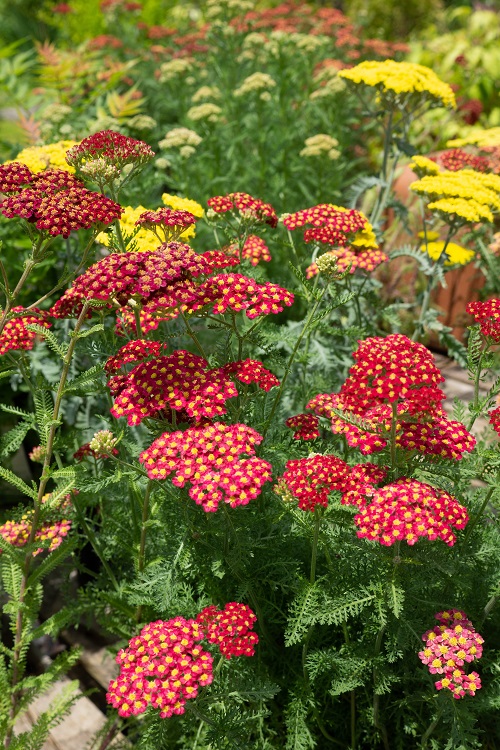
(255,82)
(175,68)
(184,139)
(395,78)
(482,138)
(207,111)
(468,194)
(51,156)
(321,145)
(216,8)
(206,92)
(422,166)
(457,255)
(183,204)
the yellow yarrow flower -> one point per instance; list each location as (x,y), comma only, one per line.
(469,210)
(392,79)
(183,204)
(478,137)
(421,165)
(455,190)
(51,156)
(457,255)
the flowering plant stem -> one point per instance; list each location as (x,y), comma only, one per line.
(420,326)
(141,560)
(291,360)
(24,585)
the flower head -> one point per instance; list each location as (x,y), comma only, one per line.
(134,351)
(15,335)
(407,510)
(231,629)
(399,81)
(236,292)
(250,209)
(487,314)
(455,254)
(51,156)
(448,647)
(58,204)
(104,154)
(166,223)
(312,479)
(209,458)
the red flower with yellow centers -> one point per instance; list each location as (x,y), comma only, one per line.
(208,458)
(254,210)
(15,335)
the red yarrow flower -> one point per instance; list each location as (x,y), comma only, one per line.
(134,351)
(448,647)
(252,371)
(252,209)
(236,292)
(57,203)
(487,314)
(312,479)
(394,372)
(166,223)
(162,668)
(456,159)
(209,459)
(366,259)
(407,510)
(15,335)
(112,148)
(230,629)
(306,426)
(14,177)
(69,305)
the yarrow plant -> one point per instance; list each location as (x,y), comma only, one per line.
(163,362)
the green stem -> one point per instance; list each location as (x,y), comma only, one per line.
(430,729)
(44,479)
(475,403)
(419,328)
(193,337)
(141,560)
(291,360)
(392,438)
(376,698)
(28,267)
(471,526)
(89,533)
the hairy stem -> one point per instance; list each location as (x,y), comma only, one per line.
(44,479)
(141,560)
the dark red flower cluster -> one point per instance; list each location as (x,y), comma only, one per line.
(252,371)
(394,370)
(158,276)
(181,381)
(113,148)
(305,426)
(208,457)
(134,351)
(14,176)
(230,629)
(253,209)
(367,259)
(126,322)
(448,647)
(166,223)
(85,450)
(339,223)
(15,335)
(312,479)
(487,314)
(494,420)
(69,305)
(236,292)
(162,668)
(56,202)
(407,510)
(456,159)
